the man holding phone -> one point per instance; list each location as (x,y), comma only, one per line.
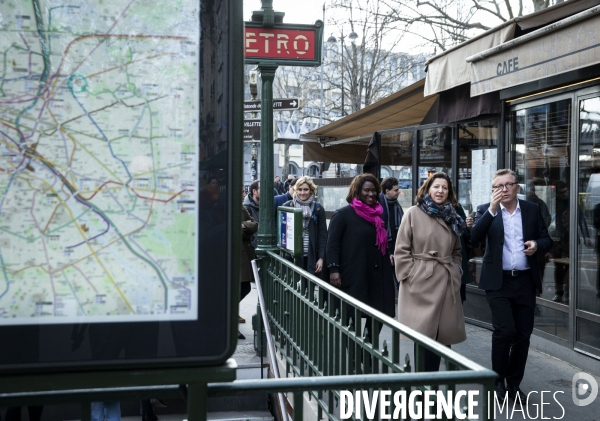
(514,232)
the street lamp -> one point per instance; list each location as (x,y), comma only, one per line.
(332,40)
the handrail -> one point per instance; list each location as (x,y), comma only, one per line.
(431,344)
(317,329)
(272,359)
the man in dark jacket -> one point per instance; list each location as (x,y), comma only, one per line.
(278,185)
(286,185)
(514,232)
(282,198)
(251,203)
(392,213)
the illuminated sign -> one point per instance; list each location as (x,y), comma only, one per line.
(284,44)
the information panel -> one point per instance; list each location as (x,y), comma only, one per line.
(289,230)
(99,161)
(484,163)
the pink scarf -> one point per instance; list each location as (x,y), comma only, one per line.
(373,216)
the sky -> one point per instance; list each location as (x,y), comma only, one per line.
(296,11)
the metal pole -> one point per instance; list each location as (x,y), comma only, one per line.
(322,48)
(266,224)
(343,109)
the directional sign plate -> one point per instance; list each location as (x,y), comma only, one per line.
(252,130)
(282,104)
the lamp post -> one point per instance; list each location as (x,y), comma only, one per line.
(353,35)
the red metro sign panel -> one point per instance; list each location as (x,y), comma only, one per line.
(286,45)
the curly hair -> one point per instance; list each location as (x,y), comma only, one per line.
(424,189)
(357,184)
(305,180)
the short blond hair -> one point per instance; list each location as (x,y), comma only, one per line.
(305,180)
(504,171)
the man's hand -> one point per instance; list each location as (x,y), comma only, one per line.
(530,247)
(335,279)
(319,265)
(495,200)
(469,222)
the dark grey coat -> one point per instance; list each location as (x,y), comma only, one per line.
(253,209)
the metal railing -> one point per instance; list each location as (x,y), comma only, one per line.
(324,351)
(316,333)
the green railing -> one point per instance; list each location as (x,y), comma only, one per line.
(316,334)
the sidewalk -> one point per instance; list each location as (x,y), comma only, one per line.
(543,373)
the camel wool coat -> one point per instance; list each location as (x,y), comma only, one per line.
(426,257)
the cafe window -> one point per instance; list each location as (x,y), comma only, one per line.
(435,152)
(587,285)
(542,148)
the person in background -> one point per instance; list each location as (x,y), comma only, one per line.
(249,228)
(278,185)
(563,207)
(314,224)
(357,255)
(392,214)
(109,411)
(213,187)
(251,203)
(282,198)
(514,232)
(13,413)
(428,266)
(286,185)
(466,250)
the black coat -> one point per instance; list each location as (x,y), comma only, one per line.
(490,229)
(317,236)
(365,273)
(254,211)
(385,217)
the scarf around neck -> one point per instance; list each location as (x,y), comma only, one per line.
(306,206)
(373,216)
(446,212)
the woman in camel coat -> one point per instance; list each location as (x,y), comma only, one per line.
(428,266)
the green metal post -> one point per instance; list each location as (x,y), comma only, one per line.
(266,225)
(197,402)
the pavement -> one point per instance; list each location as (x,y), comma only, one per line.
(549,378)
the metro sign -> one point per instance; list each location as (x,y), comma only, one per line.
(284,44)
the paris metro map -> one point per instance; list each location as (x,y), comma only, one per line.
(98,160)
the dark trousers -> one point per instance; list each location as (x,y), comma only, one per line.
(13,413)
(245,288)
(432,360)
(146,407)
(561,279)
(513,307)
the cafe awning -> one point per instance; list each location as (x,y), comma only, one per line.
(406,107)
(450,68)
(346,139)
(569,44)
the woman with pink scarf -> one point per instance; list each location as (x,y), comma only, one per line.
(357,256)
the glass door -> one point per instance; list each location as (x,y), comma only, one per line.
(541,142)
(587,286)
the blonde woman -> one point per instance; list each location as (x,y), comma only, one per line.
(314,226)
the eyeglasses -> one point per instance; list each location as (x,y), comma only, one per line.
(501,186)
